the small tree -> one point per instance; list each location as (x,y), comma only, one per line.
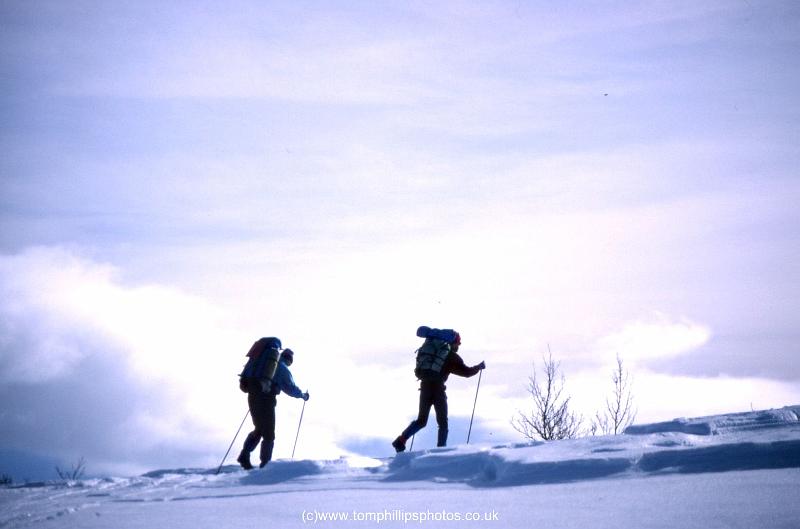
(618,413)
(73,474)
(551,417)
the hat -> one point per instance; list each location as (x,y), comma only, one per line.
(288,355)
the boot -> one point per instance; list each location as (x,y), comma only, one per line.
(399,444)
(442,437)
(250,444)
(266,452)
(244,460)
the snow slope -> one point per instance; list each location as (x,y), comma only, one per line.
(737,470)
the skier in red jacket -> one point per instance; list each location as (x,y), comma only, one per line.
(433,390)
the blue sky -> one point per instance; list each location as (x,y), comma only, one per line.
(179,180)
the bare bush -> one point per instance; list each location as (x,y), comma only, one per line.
(619,412)
(75,473)
(551,417)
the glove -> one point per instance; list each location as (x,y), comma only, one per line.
(482,365)
(305,395)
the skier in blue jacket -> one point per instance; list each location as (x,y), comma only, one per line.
(262,409)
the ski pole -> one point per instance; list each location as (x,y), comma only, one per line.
(412,443)
(233,441)
(298,428)
(480,374)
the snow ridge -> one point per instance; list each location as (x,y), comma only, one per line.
(730,423)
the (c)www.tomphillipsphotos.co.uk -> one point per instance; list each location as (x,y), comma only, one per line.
(398,515)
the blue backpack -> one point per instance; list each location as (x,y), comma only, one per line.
(261,365)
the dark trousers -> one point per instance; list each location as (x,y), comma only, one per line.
(262,411)
(430,394)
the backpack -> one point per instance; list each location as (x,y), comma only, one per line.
(433,353)
(261,365)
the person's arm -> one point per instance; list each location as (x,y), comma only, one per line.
(458,367)
(285,381)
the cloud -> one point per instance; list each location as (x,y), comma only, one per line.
(661,397)
(137,377)
(655,338)
(43,337)
(286,53)
(134,377)
(328,55)
(92,367)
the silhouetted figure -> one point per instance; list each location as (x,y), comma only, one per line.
(265,375)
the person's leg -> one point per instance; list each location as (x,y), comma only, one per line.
(252,439)
(250,444)
(425,403)
(268,432)
(440,407)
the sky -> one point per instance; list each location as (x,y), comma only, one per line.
(593,179)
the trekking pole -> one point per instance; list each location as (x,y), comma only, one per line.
(480,374)
(298,428)
(233,441)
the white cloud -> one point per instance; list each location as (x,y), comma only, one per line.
(335,55)
(41,336)
(160,329)
(175,357)
(663,397)
(72,329)
(657,337)
(175,360)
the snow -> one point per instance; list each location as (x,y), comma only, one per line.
(736,470)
